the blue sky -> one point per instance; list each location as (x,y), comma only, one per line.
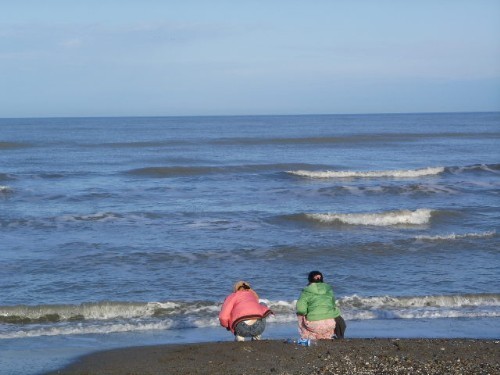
(160,57)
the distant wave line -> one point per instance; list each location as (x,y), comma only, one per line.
(142,144)
(350,139)
(6,177)
(186,219)
(411,189)
(453,236)
(12,145)
(180,171)
(68,219)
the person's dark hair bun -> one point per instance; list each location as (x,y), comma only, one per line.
(315,277)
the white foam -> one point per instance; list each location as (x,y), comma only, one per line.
(82,329)
(388,218)
(410,173)
(112,317)
(453,236)
(446,301)
(88,311)
(113,311)
(421,307)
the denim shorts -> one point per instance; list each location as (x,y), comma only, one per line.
(246,330)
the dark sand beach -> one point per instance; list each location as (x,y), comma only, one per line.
(349,356)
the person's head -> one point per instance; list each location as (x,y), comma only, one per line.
(241,285)
(315,277)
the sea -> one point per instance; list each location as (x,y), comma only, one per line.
(131,231)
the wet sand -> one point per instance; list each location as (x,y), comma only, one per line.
(349,356)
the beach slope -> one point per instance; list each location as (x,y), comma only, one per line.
(350,356)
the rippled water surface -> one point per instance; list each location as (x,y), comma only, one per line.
(143,224)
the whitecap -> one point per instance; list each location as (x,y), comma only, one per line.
(403,217)
(410,173)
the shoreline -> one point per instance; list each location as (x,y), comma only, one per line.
(348,356)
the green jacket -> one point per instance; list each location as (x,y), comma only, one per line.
(317,302)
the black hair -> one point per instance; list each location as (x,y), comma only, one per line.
(315,277)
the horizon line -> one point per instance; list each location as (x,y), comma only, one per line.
(255,115)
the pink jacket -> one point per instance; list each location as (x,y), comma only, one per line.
(239,306)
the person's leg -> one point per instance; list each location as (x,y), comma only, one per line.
(250,330)
(241,331)
(317,329)
(257,329)
(340,327)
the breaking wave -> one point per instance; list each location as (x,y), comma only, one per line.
(436,301)
(422,307)
(403,217)
(411,173)
(106,310)
(403,173)
(108,317)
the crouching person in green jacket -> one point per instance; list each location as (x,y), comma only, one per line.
(318,315)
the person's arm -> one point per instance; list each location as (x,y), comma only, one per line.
(302,305)
(225,312)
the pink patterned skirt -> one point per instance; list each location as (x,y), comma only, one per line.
(317,329)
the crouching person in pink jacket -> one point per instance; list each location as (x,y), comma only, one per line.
(242,314)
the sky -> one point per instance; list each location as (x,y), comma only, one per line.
(63,58)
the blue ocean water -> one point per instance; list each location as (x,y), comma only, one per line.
(130,231)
